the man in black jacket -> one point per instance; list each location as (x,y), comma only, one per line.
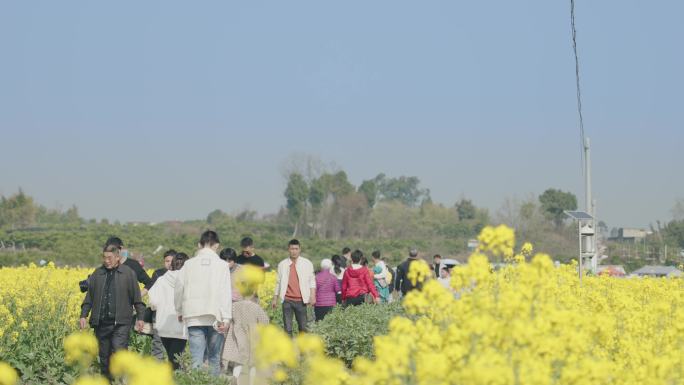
(134,265)
(168,258)
(401,282)
(112,293)
(248,257)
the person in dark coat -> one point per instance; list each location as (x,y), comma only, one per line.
(248,256)
(112,293)
(168,259)
(134,265)
(402,283)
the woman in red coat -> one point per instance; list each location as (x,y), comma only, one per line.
(357,282)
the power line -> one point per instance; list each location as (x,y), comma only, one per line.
(577,74)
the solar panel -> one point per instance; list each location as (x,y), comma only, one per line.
(579,215)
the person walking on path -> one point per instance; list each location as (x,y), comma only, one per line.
(133,264)
(238,351)
(228,254)
(230,257)
(173,333)
(338,268)
(402,283)
(380,277)
(168,260)
(357,282)
(112,294)
(327,288)
(436,265)
(157,348)
(248,256)
(295,287)
(202,297)
(346,254)
(445,278)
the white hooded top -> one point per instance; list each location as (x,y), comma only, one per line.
(162,301)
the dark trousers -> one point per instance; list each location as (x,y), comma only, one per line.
(174,346)
(296,309)
(321,311)
(355,301)
(111,338)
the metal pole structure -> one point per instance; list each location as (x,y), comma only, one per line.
(579,233)
(589,206)
(587,177)
(594,260)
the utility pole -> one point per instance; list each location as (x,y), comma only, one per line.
(589,206)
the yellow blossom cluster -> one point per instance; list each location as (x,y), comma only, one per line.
(419,271)
(274,348)
(527,323)
(248,279)
(8,376)
(38,298)
(140,370)
(526,249)
(266,289)
(276,353)
(41,305)
(499,241)
(80,348)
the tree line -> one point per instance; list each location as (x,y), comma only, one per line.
(323,209)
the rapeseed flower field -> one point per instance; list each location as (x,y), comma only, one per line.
(530,322)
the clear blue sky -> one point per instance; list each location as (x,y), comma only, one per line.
(152,110)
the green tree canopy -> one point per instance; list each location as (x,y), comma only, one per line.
(369,189)
(674,233)
(296,194)
(405,189)
(18,210)
(466,209)
(554,202)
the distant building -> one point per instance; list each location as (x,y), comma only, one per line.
(658,271)
(137,223)
(628,234)
(473,244)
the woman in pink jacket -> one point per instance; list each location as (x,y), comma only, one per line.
(327,286)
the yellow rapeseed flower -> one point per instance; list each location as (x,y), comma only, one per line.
(280,375)
(309,344)
(80,348)
(418,272)
(248,279)
(498,240)
(526,249)
(8,376)
(527,323)
(140,370)
(274,348)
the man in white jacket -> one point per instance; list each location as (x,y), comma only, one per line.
(203,301)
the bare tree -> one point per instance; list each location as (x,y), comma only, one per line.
(678,210)
(309,166)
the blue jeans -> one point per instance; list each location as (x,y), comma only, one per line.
(201,338)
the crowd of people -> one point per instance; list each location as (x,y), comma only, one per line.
(194,303)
